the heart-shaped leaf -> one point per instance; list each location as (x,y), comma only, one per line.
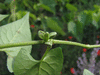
(18,31)
(52,63)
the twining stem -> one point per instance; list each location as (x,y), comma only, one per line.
(74,43)
(42,42)
(21,44)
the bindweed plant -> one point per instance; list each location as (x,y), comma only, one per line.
(16,41)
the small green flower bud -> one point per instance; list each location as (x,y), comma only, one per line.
(41,34)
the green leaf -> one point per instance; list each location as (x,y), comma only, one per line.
(49,5)
(33,16)
(87,72)
(95,20)
(43,26)
(24,63)
(36,6)
(82,18)
(97,7)
(76,30)
(41,34)
(9,63)
(54,25)
(71,7)
(95,24)
(79,29)
(96,16)
(72,28)
(52,63)
(47,8)
(28,4)
(20,14)
(2,17)
(88,17)
(52,34)
(18,31)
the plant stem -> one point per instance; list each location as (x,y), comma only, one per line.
(42,42)
(48,48)
(21,44)
(74,43)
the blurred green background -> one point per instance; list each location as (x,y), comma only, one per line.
(77,18)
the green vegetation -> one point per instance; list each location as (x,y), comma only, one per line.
(71,20)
